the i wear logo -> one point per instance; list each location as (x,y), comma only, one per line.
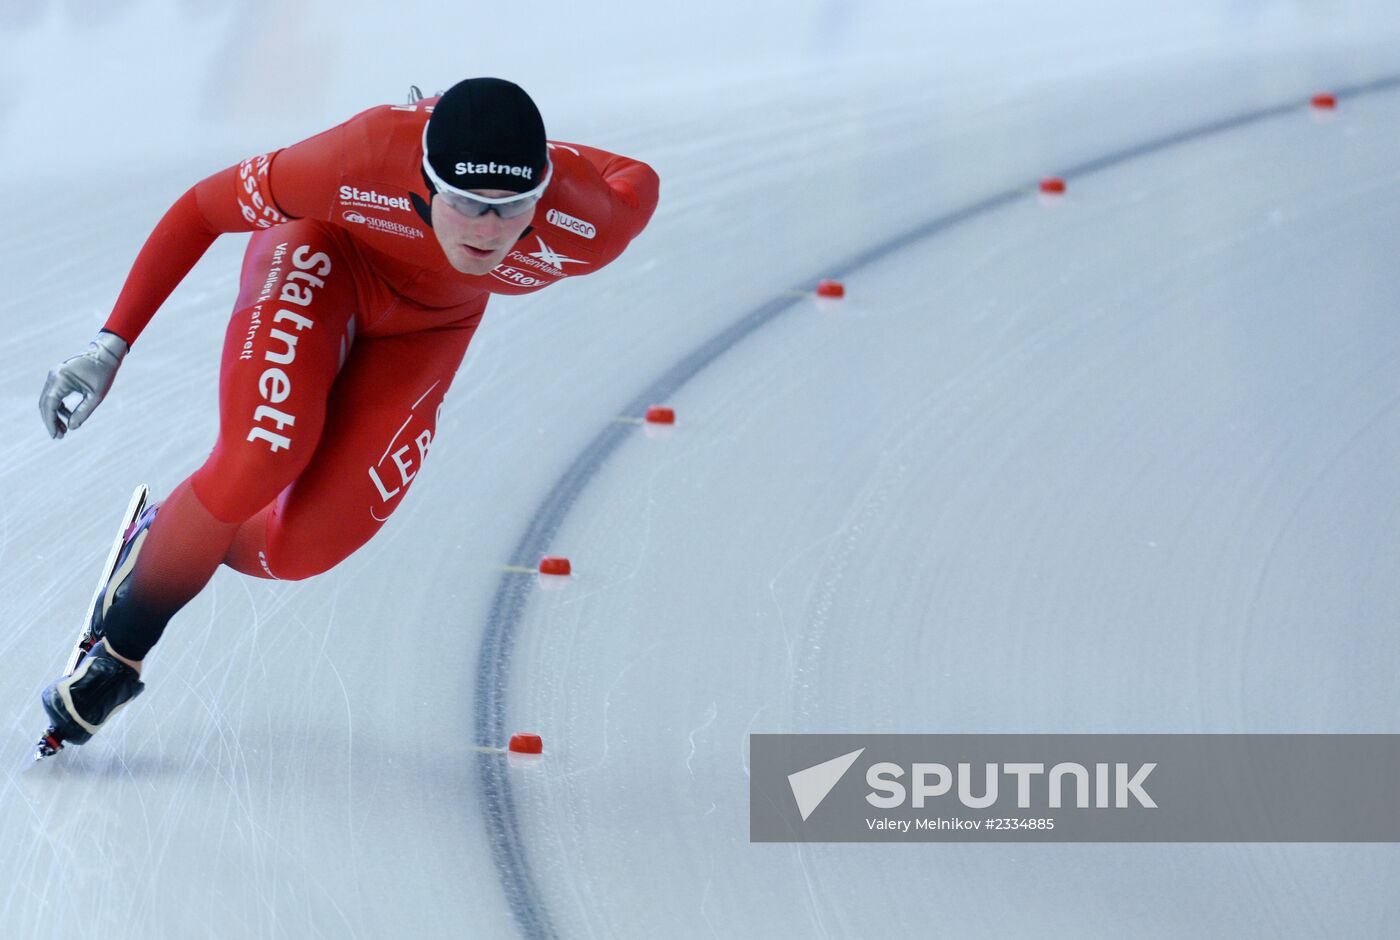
(811,786)
(570,223)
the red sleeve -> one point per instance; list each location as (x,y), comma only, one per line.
(238,199)
(635,188)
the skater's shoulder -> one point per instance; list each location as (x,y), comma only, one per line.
(385,133)
(387,118)
(602,199)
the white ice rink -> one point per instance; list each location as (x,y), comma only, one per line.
(1122,461)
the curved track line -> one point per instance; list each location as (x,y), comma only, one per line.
(513,591)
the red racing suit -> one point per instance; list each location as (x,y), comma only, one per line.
(348,328)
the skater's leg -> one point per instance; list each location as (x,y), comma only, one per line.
(179,556)
(281,354)
(379,427)
(247,553)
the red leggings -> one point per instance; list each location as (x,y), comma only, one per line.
(329,392)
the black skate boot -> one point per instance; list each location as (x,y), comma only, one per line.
(95,684)
(116,587)
(81,703)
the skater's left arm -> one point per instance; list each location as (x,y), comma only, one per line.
(633,189)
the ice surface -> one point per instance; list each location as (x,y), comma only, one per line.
(1123,461)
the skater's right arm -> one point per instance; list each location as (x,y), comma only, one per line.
(240,198)
(88,375)
(179,240)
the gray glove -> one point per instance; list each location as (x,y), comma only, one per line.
(88,374)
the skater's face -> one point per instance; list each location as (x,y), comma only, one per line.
(475,245)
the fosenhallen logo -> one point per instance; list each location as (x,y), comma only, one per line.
(546,261)
(569,223)
(552,258)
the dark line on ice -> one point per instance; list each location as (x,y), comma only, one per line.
(513,591)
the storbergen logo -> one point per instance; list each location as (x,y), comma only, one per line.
(382,225)
(569,223)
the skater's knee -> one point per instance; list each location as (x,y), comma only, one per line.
(262,549)
(297,552)
(228,500)
(286,566)
(235,487)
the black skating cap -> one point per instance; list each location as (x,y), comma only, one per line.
(486,133)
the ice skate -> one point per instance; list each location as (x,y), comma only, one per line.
(81,703)
(95,684)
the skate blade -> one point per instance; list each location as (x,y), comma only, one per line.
(49,745)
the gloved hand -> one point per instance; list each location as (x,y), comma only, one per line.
(89,374)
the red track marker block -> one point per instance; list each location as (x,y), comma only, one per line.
(553,565)
(526,744)
(1052,184)
(1324,101)
(831,289)
(659,414)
